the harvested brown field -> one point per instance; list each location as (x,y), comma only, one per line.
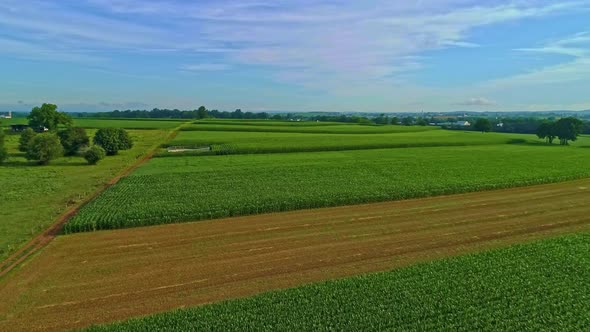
(99,277)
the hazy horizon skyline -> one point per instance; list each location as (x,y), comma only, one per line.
(318,56)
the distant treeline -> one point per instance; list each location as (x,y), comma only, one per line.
(523,125)
(520,125)
(203,112)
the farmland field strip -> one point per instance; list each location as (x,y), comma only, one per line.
(380,243)
(320,128)
(421,227)
(413,212)
(268,123)
(229,279)
(247,190)
(283,142)
(175,268)
(317,229)
(317,261)
(407,215)
(457,284)
(378,246)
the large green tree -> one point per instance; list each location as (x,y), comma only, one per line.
(202,112)
(47,116)
(482,124)
(568,129)
(73,139)
(546,131)
(44,148)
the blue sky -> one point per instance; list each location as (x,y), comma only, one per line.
(296,55)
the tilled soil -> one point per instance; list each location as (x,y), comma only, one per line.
(82,279)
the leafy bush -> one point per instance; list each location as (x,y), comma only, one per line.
(94,154)
(25,138)
(112,140)
(125,141)
(73,139)
(3,152)
(44,148)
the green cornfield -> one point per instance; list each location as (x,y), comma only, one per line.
(238,142)
(303,127)
(542,286)
(176,189)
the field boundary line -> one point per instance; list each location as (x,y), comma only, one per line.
(41,240)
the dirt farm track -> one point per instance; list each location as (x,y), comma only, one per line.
(81,279)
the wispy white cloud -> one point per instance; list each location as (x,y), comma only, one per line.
(577,45)
(360,48)
(575,70)
(330,35)
(478,101)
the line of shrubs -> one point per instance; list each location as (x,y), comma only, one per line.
(73,141)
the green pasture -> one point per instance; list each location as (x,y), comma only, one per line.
(32,196)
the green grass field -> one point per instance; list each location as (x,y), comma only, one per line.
(542,286)
(33,196)
(129,123)
(236,142)
(178,189)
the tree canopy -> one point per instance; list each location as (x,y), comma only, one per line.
(482,124)
(47,116)
(568,129)
(202,112)
(546,131)
(112,140)
(73,139)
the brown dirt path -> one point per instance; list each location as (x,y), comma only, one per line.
(41,240)
(89,278)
